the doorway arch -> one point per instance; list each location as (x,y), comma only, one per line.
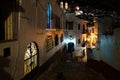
(70,47)
(56,40)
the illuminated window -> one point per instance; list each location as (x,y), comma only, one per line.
(30,59)
(49,12)
(8,27)
(57,22)
(49,43)
(69,25)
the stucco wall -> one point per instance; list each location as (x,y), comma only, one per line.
(10,61)
(109,45)
(32,22)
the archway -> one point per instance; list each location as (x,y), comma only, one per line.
(70,50)
(56,40)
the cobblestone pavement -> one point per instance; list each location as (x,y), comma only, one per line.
(71,71)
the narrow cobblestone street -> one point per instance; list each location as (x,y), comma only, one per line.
(71,71)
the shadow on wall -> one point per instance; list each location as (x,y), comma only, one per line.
(4,62)
(8,6)
(106,70)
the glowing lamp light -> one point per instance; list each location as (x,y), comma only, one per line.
(88,39)
(71,38)
(67,40)
(61,5)
(66,5)
(77,8)
(78,11)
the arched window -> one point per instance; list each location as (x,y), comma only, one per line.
(30,58)
(49,13)
(61,38)
(49,43)
(56,40)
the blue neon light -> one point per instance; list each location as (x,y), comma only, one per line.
(49,12)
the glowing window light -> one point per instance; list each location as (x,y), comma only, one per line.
(49,12)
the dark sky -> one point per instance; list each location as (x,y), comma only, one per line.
(110,5)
